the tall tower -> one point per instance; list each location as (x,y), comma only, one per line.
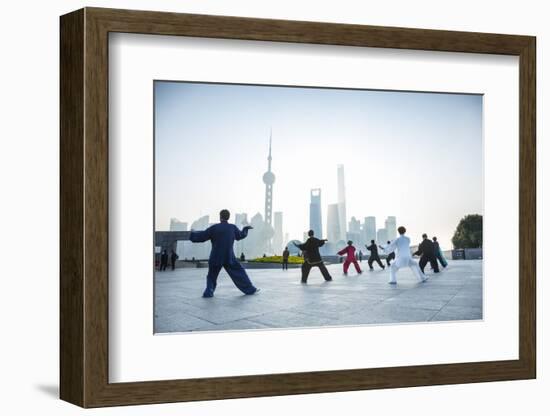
(315,219)
(369,229)
(391,228)
(342,203)
(333,224)
(278,231)
(269,180)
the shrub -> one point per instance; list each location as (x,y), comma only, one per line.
(278,259)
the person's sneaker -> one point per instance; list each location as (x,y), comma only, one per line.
(424,280)
(392,283)
(345,274)
(204,295)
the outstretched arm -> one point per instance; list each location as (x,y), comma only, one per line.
(341,252)
(200,236)
(300,246)
(240,234)
(390,247)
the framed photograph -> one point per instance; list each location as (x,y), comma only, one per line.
(255,207)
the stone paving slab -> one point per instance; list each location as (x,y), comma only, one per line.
(283,302)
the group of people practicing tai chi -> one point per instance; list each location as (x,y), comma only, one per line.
(223,235)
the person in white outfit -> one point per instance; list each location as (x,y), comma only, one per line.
(402,248)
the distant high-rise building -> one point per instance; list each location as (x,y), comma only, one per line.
(382,236)
(391,228)
(315,218)
(177,225)
(201,224)
(354,233)
(269,180)
(241,219)
(354,225)
(369,229)
(342,221)
(278,229)
(333,224)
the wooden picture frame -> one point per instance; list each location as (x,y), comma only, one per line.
(84,207)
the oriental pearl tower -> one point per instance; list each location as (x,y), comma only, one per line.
(269,180)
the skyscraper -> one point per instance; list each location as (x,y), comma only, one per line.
(354,233)
(315,218)
(278,236)
(382,236)
(342,221)
(391,228)
(269,180)
(354,225)
(333,224)
(241,219)
(177,225)
(369,229)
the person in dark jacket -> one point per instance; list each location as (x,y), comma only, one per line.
(222,236)
(163,260)
(286,253)
(426,251)
(173,258)
(374,257)
(312,257)
(439,253)
(390,256)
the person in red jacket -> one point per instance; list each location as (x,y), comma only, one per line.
(349,251)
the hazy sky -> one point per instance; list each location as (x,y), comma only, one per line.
(417,156)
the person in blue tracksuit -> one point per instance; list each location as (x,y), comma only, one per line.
(222,236)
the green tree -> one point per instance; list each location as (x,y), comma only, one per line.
(469,232)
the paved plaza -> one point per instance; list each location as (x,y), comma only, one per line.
(283,302)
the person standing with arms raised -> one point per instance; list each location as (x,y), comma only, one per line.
(312,257)
(389,256)
(349,251)
(402,248)
(222,236)
(374,257)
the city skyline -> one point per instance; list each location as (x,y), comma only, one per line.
(211,142)
(272,243)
